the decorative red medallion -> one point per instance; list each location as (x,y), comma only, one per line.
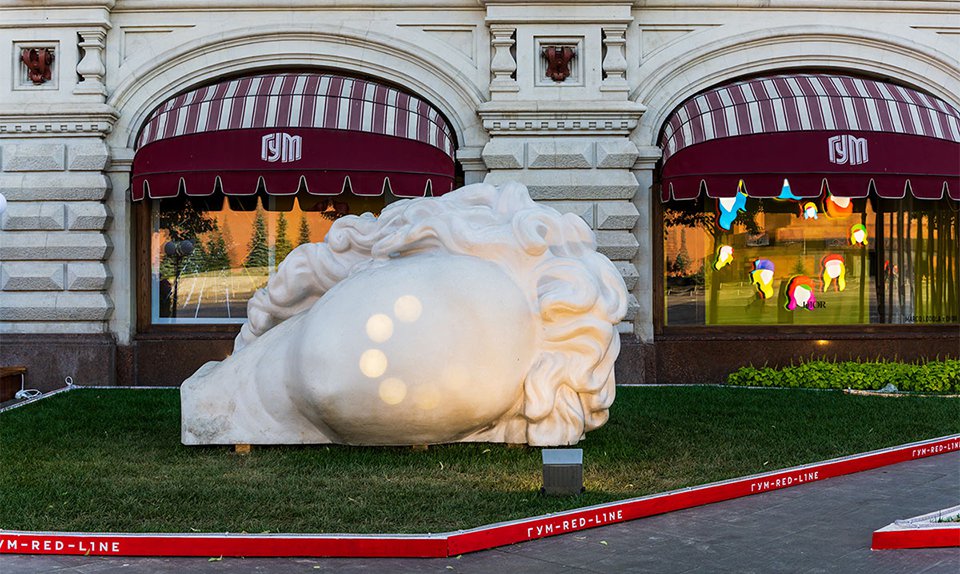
(38,62)
(558,61)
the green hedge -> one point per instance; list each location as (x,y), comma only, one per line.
(932,377)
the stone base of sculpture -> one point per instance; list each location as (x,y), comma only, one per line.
(476,316)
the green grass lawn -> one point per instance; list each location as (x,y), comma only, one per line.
(111,460)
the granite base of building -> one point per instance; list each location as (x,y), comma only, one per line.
(50,359)
(168,359)
(708,359)
(160,361)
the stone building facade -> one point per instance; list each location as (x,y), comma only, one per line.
(71,245)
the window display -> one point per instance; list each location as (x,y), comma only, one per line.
(209,255)
(778,263)
(810,199)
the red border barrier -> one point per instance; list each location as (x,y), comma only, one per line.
(221,545)
(454,543)
(932,537)
(925,531)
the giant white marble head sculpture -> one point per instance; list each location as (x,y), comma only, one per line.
(476,316)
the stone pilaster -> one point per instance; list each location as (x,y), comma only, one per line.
(615,62)
(90,68)
(503,66)
(567,141)
(643,169)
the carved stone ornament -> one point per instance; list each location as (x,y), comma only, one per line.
(478,316)
(558,61)
(503,66)
(90,68)
(39,62)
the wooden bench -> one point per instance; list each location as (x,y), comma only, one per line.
(11,381)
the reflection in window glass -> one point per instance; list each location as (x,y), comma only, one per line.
(210,255)
(807,263)
(920,268)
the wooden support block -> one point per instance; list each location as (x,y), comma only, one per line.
(420,447)
(241,448)
(11,380)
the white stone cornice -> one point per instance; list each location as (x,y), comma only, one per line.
(902,6)
(559,13)
(32,22)
(594,3)
(57,120)
(470,159)
(290,5)
(55,13)
(561,118)
(33,4)
(121,159)
(647,157)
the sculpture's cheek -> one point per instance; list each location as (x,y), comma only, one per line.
(427,350)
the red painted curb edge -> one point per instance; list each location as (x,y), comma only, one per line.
(454,543)
(945,537)
(925,531)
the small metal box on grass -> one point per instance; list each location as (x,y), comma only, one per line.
(562,471)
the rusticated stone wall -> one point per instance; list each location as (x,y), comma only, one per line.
(54,238)
(585,176)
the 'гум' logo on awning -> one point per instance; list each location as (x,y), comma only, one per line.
(280,147)
(847,149)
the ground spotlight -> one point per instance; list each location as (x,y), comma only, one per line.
(562,471)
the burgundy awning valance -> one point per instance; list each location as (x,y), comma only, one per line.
(323,133)
(812,132)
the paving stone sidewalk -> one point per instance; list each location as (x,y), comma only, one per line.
(818,527)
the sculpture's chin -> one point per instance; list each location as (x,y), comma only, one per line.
(427,349)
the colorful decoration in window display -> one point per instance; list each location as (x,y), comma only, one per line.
(727,207)
(810,210)
(786,192)
(837,207)
(890,271)
(724,257)
(858,234)
(834,272)
(762,277)
(800,293)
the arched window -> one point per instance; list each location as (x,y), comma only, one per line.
(810,199)
(240,172)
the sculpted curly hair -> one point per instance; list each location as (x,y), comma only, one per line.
(578,294)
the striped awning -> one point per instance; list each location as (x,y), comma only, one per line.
(807,134)
(321,133)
